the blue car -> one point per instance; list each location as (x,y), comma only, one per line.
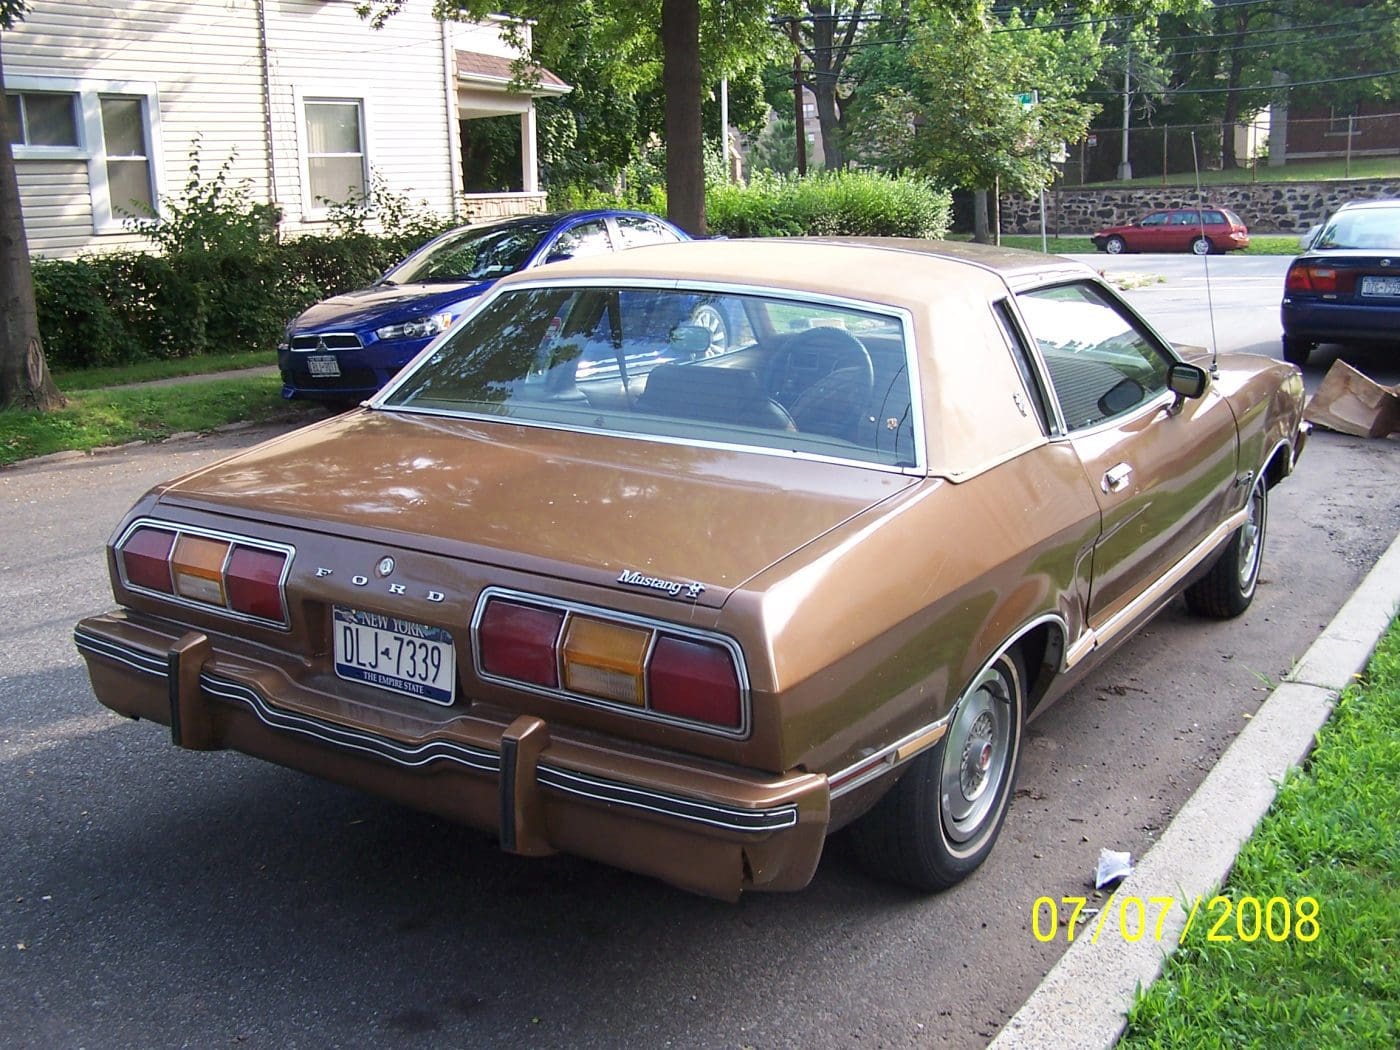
(345,348)
(1345,287)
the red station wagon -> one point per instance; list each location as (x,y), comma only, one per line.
(1198,230)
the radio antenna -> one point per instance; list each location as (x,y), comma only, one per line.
(1205,260)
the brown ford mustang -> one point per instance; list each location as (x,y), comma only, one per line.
(683,559)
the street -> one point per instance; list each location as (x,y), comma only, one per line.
(151,897)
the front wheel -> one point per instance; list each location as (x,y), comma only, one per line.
(1200,246)
(937,825)
(1115,245)
(1228,588)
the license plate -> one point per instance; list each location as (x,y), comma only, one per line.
(412,659)
(1380,286)
(323,365)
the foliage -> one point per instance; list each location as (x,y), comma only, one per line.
(830,204)
(209,215)
(775,150)
(947,106)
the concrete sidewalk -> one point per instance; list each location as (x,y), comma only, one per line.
(1084,999)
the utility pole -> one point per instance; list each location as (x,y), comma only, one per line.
(797,114)
(1125,166)
(724,125)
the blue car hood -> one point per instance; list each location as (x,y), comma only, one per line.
(381,304)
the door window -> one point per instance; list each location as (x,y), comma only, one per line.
(581,241)
(1100,364)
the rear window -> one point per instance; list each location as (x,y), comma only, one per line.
(757,371)
(1362,228)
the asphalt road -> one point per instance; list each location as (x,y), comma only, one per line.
(156,898)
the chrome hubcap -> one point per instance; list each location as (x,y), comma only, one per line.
(975,756)
(1251,537)
(709,318)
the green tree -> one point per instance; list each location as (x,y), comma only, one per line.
(24,374)
(677,46)
(947,104)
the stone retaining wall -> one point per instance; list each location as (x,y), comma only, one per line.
(1265,207)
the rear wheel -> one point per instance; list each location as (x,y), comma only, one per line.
(709,318)
(1228,589)
(1297,351)
(1200,246)
(937,825)
(1114,245)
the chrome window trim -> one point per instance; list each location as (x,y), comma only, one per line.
(285,549)
(740,732)
(903,317)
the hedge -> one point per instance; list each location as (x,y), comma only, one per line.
(125,307)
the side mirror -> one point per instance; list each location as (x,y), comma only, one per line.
(559,255)
(1305,240)
(1185,380)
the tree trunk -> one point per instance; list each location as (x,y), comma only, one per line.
(831,46)
(24,375)
(680,79)
(981,227)
(1228,160)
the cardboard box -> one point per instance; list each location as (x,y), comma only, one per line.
(1349,402)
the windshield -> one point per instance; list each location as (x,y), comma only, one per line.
(477,254)
(1362,228)
(689,364)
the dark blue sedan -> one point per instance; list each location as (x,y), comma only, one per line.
(1345,287)
(346,347)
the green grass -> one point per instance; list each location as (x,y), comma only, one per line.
(113,417)
(1333,835)
(1323,170)
(1268,244)
(147,371)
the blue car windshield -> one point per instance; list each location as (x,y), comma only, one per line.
(477,254)
(687,364)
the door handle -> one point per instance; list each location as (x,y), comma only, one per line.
(1115,479)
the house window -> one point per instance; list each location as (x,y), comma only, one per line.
(42,119)
(809,109)
(335,153)
(128,155)
(110,127)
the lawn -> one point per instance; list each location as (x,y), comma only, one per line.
(146,371)
(98,418)
(1332,835)
(1286,244)
(1322,170)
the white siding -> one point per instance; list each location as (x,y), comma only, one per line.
(202,55)
(322,49)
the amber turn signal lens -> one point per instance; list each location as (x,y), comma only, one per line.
(198,568)
(605,659)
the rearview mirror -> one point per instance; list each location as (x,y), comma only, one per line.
(1187,380)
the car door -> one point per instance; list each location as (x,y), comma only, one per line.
(635,231)
(1163,474)
(1151,233)
(579,241)
(1184,227)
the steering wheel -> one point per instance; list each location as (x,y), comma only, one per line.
(824,377)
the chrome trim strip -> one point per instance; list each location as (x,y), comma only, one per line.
(656,625)
(730,818)
(138,659)
(1093,637)
(178,528)
(409,755)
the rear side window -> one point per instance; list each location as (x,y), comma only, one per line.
(1020,353)
(1101,366)
(1188,218)
(1214,218)
(635,231)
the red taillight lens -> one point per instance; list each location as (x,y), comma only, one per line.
(694,680)
(145,559)
(519,642)
(254,583)
(1304,278)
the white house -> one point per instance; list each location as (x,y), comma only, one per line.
(311,103)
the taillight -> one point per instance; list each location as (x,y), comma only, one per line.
(1303,277)
(228,574)
(695,680)
(519,641)
(605,659)
(145,558)
(596,657)
(198,568)
(254,582)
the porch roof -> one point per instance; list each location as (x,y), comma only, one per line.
(493,72)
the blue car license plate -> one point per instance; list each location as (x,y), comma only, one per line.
(323,365)
(1386,286)
(412,659)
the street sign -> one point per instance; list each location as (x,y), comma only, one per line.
(1093,140)
(1027,99)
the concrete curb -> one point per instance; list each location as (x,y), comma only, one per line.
(1084,999)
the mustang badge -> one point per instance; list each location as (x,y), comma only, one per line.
(674,588)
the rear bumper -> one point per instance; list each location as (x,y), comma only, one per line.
(1320,321)
(707,828)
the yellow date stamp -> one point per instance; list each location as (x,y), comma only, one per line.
(1229,919)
